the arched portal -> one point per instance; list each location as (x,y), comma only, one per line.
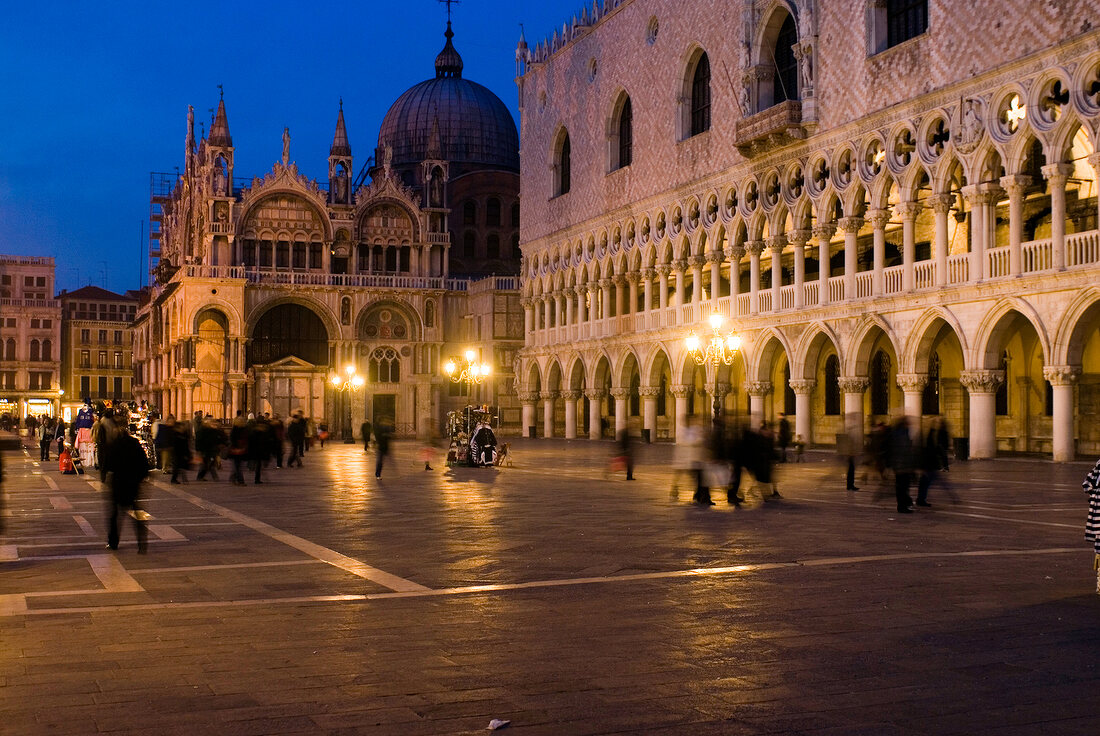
(1023,403)
(212,395)
(288,358)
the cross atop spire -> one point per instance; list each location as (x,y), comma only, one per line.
(221,91)
(449,3)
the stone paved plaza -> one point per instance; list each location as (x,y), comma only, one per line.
(550,595)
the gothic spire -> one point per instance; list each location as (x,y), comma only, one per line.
(340,145)
(219,129)
(448,63)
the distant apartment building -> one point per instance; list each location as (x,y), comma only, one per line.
(30,337)
(97,344)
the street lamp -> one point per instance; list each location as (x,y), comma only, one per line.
(469,373)
(349,383)
(718,351)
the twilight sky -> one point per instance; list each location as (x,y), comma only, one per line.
(94,96)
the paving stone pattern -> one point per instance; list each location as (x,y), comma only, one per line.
(553,595)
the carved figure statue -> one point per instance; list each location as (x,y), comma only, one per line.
(806,64)
(341,185)
(805,20)
(219,178)
(286,146)
(744,98)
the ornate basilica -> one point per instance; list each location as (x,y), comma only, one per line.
(267,287)
(893,204)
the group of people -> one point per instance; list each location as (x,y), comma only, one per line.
(252,441)
(902,450)
(718,456)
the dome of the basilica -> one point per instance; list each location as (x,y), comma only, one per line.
(450,118)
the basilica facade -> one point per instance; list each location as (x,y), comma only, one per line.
(267,288)
(892,202)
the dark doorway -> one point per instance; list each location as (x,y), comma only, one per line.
(385,409)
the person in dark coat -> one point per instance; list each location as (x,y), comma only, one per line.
(59,433)
(365,430)
(783,438)
(238,447)
(129,467)
(259,446)
(382,447)
(209,445)
(626,452)
(296,433)
(181,452)
(902,457)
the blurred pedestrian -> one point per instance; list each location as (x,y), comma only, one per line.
(59,434)
(163,438)
(209,444)
(783,437)
(902,459)
(382,434)
(278,440)
(691,458)
(129,467)
(259,447)
(849,446)
(296,435)
(626,452)
(45,439)
(765,464)
(238,447)
(943,442)
(181,451)
(364,431)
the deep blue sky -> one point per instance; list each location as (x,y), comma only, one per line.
(94,96)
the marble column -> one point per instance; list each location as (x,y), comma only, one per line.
(823,234)
(878,220)
(595,396)
(908,212)
(696,263)
(649,409)
(734,254)
(647,288)
(662,285)
(548,412)
(1056,175)
(680,393)
(754,248)
(527,401)
(620,295)
(1015,186)
(803,419)
(912,388)
(714,261)
(570,399)
(853,388)
(1094,160)
(570,295)
(850,226)
(974,200)
(678,268)
(1062,378)
(982,387)
(605,298)
(758,391)
(798,239)
(621,408)
(941,205)
(632,280)
(775,246)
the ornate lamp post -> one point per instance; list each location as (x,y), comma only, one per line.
(718,350)
(347,384)
(468,372)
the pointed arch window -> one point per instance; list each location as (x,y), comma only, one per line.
(786,65)
(47,350)
(880,383)
(35,350)
(832,386)
(700,96)
(9,349)
(625,130)
(563,166)
(930,397)
(385,366)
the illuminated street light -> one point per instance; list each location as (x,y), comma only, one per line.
(718,351)
(469,373)
(348,383)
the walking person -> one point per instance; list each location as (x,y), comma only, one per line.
(259,447)
(626,452)
(734,454)
(45,439)
(849,448)
(162,441)
(364,431)
(296,435)
(382,447)
(59,434)
(238,447)
(902,458)
(209,444)
(1091,485)
(129,467)
(278,440)
(783,438)
(181,452)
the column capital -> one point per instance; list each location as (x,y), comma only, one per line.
(620,279)
(941,203)
(663,270)
(802,385)
(605,283)
(649,273)
(633,277)
(776,242)
(649,391)
(571,395)
(593,287)
(878,218)
(910,382)
(799,238)
(723,390)
(528,397)
(758,388)
(908,210)
(681,390)
(981,381)
(1061,375)
(714,256)
(527,302)
(754,247)
(594,394)
(569,292)
(734,253)
(1016,183)
(971,194)
(549,395)
(850,225)
(853,384)
(1057,173)
(993,189)
(824,233)
(620,393)
(697,261)
(679,266)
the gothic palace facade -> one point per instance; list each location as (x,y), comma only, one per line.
(267,287)
(893,203)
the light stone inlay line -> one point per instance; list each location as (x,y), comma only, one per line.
(946,512)
(332,557)
(165,532)
(84,525)
(60,503)
(502,587)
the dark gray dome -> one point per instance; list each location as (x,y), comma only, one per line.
(452,118)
